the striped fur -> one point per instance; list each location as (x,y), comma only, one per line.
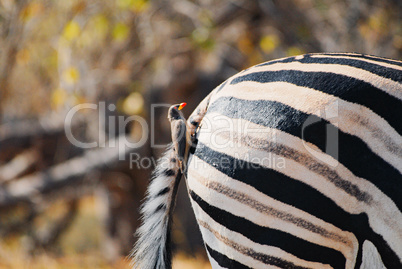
(298,162)
(152,249)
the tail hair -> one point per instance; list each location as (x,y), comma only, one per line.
(152,249)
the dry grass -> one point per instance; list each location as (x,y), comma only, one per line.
(16,259)
(181,261)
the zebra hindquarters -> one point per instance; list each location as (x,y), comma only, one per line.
(267,191)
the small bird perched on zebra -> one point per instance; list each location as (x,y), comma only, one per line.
(179,132)
(294,163)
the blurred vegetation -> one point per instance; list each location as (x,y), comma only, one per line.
(66,206)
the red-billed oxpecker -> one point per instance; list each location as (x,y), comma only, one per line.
(179,133)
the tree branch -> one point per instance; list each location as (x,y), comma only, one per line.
(31,187)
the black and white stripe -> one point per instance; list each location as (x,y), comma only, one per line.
(298,164)
(152,249)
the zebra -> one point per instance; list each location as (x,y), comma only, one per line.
(293,163)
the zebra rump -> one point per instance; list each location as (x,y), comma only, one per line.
(296,163)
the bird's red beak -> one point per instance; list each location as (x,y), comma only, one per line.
(181,106)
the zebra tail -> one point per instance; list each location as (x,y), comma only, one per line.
(152,249)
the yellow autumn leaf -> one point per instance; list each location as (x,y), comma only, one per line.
(101,25)
(140,5)
(59,97)
(377,22)
(269,43)
(134,5)
(71,31)
(71,75)
(120,32)
(133,104)
(293,51)
(125,4)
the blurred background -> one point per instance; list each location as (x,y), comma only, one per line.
(63,205)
